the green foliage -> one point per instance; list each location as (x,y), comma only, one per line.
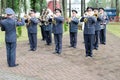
(14,4)
(65,26)
(19,31)
(103,3)
(24,35)
(38,5)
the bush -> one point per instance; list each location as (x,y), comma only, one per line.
(19,31)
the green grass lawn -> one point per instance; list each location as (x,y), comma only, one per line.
(24,36)
(114,28)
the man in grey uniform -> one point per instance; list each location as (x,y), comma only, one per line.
(73,29)
(9,26)
(104,22)
(58,30)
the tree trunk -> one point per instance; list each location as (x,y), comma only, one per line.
(3,5)
(13,4)
(19,13)
(33,2)
(82,7)
(0,8)
(65,8)
(41,7)
(117,7)
(54,5)
(69,8)
(25,6)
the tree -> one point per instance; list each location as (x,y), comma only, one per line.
(38,5)
(64,8)
(43,4)
(69,8)
(117,7)
(3,5)
(82,7)
(98,3)
(25,6)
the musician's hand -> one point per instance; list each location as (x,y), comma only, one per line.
(55,15)
(69,20)
(29,17)
(104,17)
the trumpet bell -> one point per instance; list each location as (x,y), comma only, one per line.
(96,15)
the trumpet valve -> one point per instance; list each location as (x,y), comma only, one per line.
(85,20)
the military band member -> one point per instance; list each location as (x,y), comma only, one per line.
(73,29)
(58,30)
(9,26)
(97,27)
(42,26)
(104,22)
(32,30)
(48,30)
(89,31)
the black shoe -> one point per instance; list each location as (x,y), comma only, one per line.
(96,48)
(54,52)
(14,65)
(43,40)
(59,52)
(90,56)
(34,49)
(104,43)
(70,46)
(48,44)
(30,50)
(74,47)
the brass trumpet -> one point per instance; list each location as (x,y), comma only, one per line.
(68,20)
(27,19)
(85,19)
(96,15)
(53,19)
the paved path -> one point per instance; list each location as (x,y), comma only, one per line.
(71,65)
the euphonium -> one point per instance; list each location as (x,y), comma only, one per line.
(45,17)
